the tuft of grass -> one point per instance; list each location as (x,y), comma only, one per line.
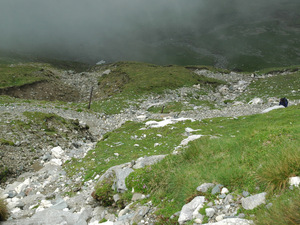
(6,142)
(276,171)
(104,192)
(3,210)
(285,210)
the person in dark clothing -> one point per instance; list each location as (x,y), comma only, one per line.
(284,102)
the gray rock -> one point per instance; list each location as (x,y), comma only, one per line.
(245,194)
(232,221)
(99,213)
(222,196)
(187,210)
(51,217)
(116,197)
(12,193)
(137,196)
(217,189)
(254,201)
(140,213)
(228,199)
(268,206)
(209,212)
(121,174)
(204,187)
(147,161)
(59,204)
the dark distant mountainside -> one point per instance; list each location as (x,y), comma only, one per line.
(233,34)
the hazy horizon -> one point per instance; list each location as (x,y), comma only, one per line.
(112,30)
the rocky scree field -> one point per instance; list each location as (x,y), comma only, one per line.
(159,144)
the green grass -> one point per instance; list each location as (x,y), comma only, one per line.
(285,210)
(169,107)
(123,141)
(276,86)
(113,105)
(19,74)
(242,158)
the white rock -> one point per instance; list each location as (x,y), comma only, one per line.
(15,210)
(105,223)
(57,152)
(224,191)
(232,221)
(220,217)
(272,108)
(190,138)
(210,212)
(23,186)
(256,101)
(56,162)
(157,144)
(199,221)
(294,181)
(142,117)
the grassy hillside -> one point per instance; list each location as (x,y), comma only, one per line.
(254,153)
(129,81)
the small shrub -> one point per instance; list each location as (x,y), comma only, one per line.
(3,210)
(104,192)
(6,142)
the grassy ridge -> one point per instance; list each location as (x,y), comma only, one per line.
(18,75)
(142,78)
(129,81)
(275,86)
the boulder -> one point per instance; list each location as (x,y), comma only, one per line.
(254,201)
(121,174)
(209,212)
(204,187)
(187,210)
(57,152)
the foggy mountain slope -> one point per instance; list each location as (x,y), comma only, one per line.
(235,34)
